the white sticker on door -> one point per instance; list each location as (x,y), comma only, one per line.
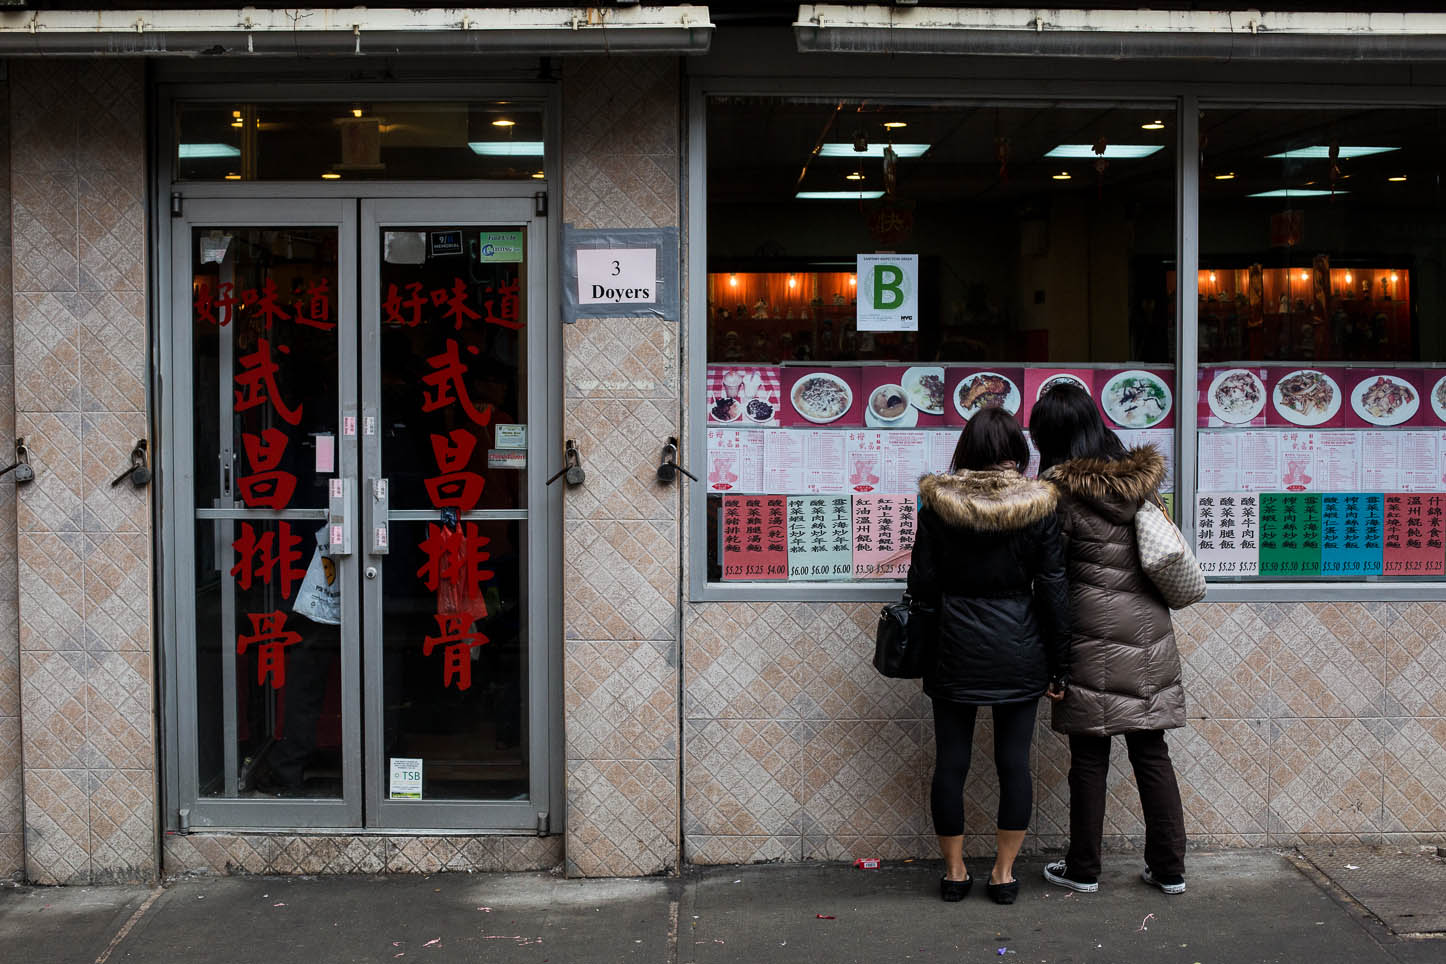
(406,778)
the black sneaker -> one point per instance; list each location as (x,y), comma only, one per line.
(1170,884)
(1058,873)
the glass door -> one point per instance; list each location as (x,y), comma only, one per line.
(264,371)
(455,672)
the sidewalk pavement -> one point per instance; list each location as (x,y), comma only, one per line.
(1253,906)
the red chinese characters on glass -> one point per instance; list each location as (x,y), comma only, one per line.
(403,304)
(503,310)
(267,487)
(393,305)
(256,385)
(220,310)
(265,303)
(271,637)
(455,487)
(271,553)
(316,311)
(446,379)
(457,640)
(456,302)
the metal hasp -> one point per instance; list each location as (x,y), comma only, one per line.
(571,471)
(669,468)
(21,466)
(140,471)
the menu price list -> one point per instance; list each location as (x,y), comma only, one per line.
(817,538)
(1331,534)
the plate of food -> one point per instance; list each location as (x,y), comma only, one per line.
(983,390)
(1063,378)
(1136,399)
(1438,398)
(1385,400)
(725,409)
(1236,396)
(1307,397)
(821,397)
(925,388)
(889,407)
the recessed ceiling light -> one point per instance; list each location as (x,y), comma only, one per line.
(1128,151)
(506,148)
(1230,176)
(838,195)
(873,150)
(356,112)
(1397,179)
(1295,192)
(1320,151)
(331,176)
(503,122)
(894,125)
(1154,125)
(854,176)
(1061,176)
(539,174)
(233,176)
(187,151)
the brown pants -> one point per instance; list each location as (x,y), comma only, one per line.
(1089,768)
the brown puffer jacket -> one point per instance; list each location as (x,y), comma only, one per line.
(1125,672)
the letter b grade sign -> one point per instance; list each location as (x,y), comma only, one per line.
(888,292)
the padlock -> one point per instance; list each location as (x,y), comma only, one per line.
(24,473)
(667,472)
(574,475)
(141,477)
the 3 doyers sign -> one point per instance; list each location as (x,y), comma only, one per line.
(617,276)
(888,292)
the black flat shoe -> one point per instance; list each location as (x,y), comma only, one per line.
(954,890)
(1003,893)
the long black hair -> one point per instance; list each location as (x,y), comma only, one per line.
(1064,424)
(991,438)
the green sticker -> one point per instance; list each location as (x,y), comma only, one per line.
(500,246)
(1290,534)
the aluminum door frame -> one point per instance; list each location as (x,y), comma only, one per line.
(531,815)
(179,497)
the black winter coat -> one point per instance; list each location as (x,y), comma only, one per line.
(987,556)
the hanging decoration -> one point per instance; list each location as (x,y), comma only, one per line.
(1335,172)
(1100,164)
(891,172)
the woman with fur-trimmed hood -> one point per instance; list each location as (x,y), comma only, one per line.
(987,560)
(1125,672)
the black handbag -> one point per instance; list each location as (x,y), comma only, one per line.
(904,643)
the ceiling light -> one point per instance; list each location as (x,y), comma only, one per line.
(872,150)
(792,281)
(503,122)
(1348,277)
(506,148)
(1212,276)
(331,176)
(191,151)
(238,122)
(539,174)
(356,112)
(233,176)
(1230,176)
(1128,151)
(894,125)
(1295,192)
(838,195)
(1397,179)
(1305,276)
(855,176)
(1154,125)
(853,280)
(732,281)
(1321,151)
(1061,176)
(1395,277)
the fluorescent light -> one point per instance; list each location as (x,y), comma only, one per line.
(506,148)
(1128,151)
(1397,179)
(1061,176)
(1153,126)
(188,151)
(838,195)
(503,122)
(874,150)
(1321,151)
(1296,192)
(855,176)
(1225,177)
(894,125)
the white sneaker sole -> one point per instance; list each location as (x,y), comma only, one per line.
(1165,888)
(1073,885)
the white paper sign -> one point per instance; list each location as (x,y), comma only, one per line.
(941,450)
(888,292)
(735,460)
(511,436)
(617,276)
(406,778)
(906,456)
(783,453)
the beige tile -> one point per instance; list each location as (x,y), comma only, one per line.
(1318,671)
(106,443)
(117,581)
(120,716)
(112,234)
(1325,778)
(704,849)
(741,778)
(620,442)
(1414,768)
(620,580)
(57,826)
(44,115)
(111,116)
(112,338)
(47,352)
(620,702)
(622,818)
(862,779)
(52,596)
(122,806)
(52,502)
(1226,669)
(1223,768)
(621,358)
(53,710)
(44,209)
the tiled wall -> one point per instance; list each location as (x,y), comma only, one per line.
(621,166)
(77,175)
(12,839)
(1307,723)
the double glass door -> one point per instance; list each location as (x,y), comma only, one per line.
(359,522)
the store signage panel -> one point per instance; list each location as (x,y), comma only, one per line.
(617,276)
(888,292)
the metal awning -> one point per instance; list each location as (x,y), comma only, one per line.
(1120,34)
(358,31)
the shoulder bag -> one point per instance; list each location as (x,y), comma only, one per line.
(1166,559)
(903,644)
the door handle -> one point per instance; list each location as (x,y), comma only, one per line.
(379,518)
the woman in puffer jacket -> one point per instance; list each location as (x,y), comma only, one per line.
(1125,671)
(987,560)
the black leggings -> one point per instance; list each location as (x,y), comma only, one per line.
(953,741)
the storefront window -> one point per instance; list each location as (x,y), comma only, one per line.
(1322,329)
(358,141)
(879,272)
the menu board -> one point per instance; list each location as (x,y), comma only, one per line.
(883,536)
(1164,442)
(1413,535)
(735,460)
(820,538)
(1351,528)
(755,537)
(1228,533)
(1290,524)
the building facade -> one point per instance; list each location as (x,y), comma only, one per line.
(337,298)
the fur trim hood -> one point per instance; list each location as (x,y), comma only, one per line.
(1119,486)
(998,501)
